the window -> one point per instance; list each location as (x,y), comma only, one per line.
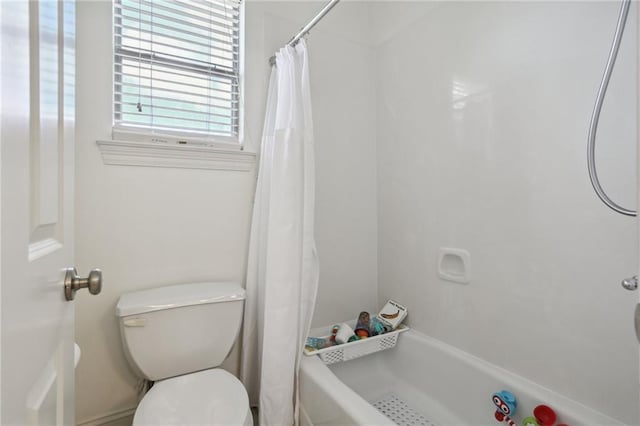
(177,67)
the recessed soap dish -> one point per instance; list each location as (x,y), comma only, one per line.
(454,265)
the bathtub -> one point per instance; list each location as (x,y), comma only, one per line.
(425,378)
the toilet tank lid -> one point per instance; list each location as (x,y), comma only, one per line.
(175,296)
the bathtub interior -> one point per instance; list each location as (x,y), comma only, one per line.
(374,379)
(450,387)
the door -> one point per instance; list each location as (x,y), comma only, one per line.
(37,102)
(637,310)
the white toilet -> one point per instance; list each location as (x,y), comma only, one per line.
(177,336)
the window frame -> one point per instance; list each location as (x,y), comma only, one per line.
(181,138)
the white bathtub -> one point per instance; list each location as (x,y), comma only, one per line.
(445,385)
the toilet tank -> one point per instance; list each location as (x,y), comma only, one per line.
(179,329)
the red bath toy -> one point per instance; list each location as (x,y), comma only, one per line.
(544,415)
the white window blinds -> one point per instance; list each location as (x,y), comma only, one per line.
(177,66)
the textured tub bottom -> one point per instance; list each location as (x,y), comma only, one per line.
(400,412)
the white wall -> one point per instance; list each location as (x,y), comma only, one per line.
(482,119)
(153,226)
(144,226)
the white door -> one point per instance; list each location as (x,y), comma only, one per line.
(634,279)
(637,310)
(37,100)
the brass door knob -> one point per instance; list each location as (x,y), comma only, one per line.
(73,283)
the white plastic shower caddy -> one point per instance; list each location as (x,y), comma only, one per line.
(352,350)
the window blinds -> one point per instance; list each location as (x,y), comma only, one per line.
(176,65)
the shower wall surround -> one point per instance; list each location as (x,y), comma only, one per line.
(482,116)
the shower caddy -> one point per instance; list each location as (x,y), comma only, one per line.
(352,350)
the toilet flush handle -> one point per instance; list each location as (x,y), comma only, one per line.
(73,283)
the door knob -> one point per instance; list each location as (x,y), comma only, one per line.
(73,283)
(630,283)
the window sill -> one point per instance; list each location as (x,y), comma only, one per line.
(149,154)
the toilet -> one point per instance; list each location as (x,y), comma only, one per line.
(177,336)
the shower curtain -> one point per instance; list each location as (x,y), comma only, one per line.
(282,271)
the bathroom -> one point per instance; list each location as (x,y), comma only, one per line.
(437,125)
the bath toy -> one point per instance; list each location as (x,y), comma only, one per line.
(362,327)
(530,421)
(506,403)
(544,415)
(363,334)
(377,327)
(504,418)
(334,331)
(344,333)
(315,343)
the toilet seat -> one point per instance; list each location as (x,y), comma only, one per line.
(209,397)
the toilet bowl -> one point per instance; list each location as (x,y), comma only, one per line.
(177,336)
(210,397)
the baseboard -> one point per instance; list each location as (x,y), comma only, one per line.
(115,418)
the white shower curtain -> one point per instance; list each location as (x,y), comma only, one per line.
(282,272)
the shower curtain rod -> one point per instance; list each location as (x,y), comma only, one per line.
(305,30)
